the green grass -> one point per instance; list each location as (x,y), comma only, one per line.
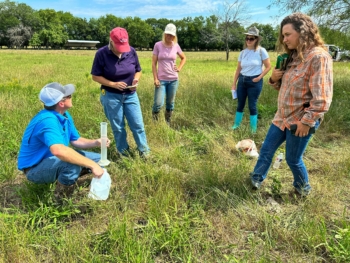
(192,201)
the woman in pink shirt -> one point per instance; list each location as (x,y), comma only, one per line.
(166,78)
(305,89)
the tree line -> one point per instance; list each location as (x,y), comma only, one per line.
(22,26)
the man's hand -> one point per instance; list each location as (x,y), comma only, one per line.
(99,142)
(97,171)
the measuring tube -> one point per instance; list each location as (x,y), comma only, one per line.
(104,161)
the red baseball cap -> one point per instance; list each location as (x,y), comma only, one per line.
(120,39)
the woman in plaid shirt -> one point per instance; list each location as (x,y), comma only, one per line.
(305,93)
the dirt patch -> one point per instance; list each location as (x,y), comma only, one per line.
(9,193)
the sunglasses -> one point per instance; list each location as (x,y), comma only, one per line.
(250,38)
(67,97)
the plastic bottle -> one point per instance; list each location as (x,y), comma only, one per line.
(99,188)
(278,161)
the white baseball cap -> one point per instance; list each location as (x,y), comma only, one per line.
(170,29)
(53,92)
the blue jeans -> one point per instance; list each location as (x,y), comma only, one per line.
(116,107)
(295,147)
(247,88)
(51,169)
(168,89)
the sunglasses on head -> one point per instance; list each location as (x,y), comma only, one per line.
(250,38)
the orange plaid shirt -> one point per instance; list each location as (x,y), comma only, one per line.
(306,89)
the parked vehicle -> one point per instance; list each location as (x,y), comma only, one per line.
(338,54)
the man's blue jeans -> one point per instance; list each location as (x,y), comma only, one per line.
(116,107)
(51,169)
(168,89)
(247,88)
(295,147)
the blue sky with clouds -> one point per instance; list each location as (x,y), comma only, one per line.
(144,9)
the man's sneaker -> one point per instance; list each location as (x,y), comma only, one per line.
(301,193)
(256,185)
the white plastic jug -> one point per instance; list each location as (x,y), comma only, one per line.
(99,187)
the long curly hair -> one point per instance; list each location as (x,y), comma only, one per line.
(308,30)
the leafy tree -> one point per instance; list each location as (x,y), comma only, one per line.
(210,33)
(77,28)
(35,41)
(157,28)
(98,31)
(335,37)
(334,14)
(269,35)
(101,27)
(139,32)
(12,15)
(181,32)
(18,35)
(52,32)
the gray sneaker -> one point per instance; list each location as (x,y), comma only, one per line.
(256,184)
(302,193)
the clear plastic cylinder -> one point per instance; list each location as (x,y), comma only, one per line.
(104,161)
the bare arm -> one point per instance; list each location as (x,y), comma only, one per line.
(154,70)
(137,76)
(182,62)
(69,155)
(83,143)
(238,71)
(267,66)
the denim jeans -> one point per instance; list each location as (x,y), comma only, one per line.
(168,89)
(116,107)
(51,169)
(295,147)
(247,88)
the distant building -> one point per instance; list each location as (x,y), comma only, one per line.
(81,44)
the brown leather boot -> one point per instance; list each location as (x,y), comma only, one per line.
(168,115)
(63,191)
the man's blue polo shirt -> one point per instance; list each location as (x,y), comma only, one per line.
(113,68)
(45,129)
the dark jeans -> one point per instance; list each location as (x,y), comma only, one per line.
(247,88)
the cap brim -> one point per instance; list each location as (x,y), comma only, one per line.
(170,33)
(122,48)
(69,89)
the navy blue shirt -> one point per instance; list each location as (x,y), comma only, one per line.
(113,68)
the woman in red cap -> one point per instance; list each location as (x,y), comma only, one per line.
(116,67)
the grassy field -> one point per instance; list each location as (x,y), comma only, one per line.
(192,201)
